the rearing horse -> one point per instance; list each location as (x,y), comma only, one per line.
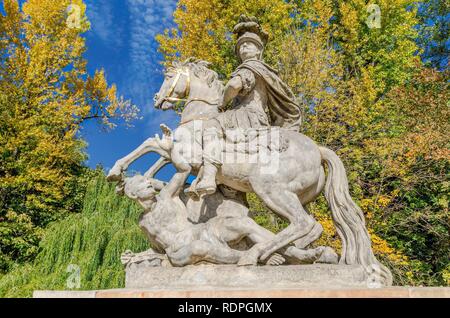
(296,179)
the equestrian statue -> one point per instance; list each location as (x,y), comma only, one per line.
(238,138)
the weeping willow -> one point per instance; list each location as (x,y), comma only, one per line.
(91,241)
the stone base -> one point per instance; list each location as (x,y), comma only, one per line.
(230,281)
(243,277)
(392,292)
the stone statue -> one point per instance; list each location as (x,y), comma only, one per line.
(282,166)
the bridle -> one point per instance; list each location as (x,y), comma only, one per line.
(184,71)
(179,72)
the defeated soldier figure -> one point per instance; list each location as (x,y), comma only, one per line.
(169,225)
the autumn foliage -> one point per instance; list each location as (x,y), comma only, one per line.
(45,95)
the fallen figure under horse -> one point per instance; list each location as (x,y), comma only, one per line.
(182,228)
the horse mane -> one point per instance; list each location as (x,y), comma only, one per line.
(201,69)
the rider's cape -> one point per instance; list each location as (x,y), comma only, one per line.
(283,109)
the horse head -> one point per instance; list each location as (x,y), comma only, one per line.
(189,81)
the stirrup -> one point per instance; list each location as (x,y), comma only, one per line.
(192,193)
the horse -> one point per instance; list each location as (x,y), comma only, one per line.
(298,176)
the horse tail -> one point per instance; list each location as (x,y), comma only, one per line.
(349,221)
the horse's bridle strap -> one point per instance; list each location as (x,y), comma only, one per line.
(184,71)
(169,98)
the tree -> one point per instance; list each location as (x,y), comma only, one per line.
(45,94)
(204,30)
(391,135)
(415,178)
(384,52)
(434,33)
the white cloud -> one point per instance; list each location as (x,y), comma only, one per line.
(156,118)
(148,18)
(100,14)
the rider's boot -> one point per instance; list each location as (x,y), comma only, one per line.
(208,183)
(211,162)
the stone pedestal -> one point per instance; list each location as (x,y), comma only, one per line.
(230,281)
(391,292)
(215,277)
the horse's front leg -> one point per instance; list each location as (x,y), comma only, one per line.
(121,165)
(157,166)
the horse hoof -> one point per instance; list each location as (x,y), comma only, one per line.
(115,174)
(192,193)
(203,192)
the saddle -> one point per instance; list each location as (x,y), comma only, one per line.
(253,141)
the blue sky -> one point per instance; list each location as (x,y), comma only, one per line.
(121,41)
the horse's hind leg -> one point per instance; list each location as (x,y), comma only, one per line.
(287,205)
(312,236)
(257,234)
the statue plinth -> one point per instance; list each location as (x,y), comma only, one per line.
(230,281)
(143,276)
(345,292)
